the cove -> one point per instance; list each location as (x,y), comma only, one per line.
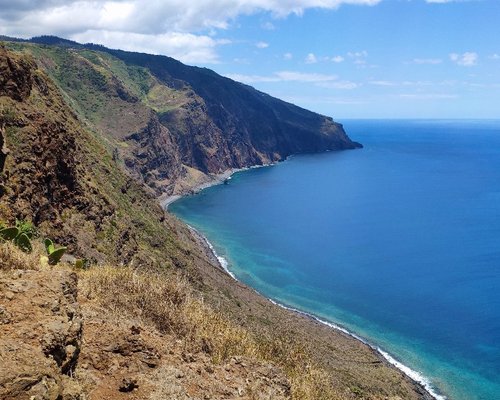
(398,242)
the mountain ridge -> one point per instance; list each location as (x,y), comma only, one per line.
(193,120)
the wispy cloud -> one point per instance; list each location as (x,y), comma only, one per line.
(427,96)
(287,56)
(186,47)
(432,61)
(342,85)
(358,57)
(383,83)
(311,59)
(446,1)
(268,26)
(468,59)
(262,45)
(170,27)
(284,76)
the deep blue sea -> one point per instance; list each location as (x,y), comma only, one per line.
(398,242)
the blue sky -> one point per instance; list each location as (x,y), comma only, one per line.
(344,58)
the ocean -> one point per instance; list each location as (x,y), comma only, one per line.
(398,242)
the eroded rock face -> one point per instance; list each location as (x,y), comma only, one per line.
(41,329)
(155,160)
(41,154)
(15,76)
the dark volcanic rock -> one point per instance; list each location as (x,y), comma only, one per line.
(16,78)
(231,125)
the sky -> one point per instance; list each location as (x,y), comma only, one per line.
(342,58)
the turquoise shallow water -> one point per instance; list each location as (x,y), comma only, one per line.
(398,242)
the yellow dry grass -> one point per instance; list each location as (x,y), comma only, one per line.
(11,257)
(168,303)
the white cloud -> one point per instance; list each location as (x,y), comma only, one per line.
(311,59)
(494,57)
(305,77)
(343,85)
(284,76)
(321,100)
(387,83)
(449,1)
(432,61)
(287,56)
(358,54)
(160,25)
(444,1)
(383,83)
(185,47)
(428,96)
(262,45)
(238,60)
(268,26)
(358,57)
(467,59)
(153,15)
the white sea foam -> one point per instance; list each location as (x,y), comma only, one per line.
(222,261)
(414,375)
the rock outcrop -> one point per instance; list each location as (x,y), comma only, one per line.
(41,325)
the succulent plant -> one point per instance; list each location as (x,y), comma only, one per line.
(9,233)
(49,245)
(23,242)
(53,253)
(18,237)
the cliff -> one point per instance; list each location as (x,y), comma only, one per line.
(171,124)
(154,316)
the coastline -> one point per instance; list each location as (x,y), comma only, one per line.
(214,180)
(417,378)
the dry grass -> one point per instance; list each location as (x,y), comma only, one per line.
(151,299)
(168,303)
(11,257)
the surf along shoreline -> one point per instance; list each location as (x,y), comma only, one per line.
(416,377)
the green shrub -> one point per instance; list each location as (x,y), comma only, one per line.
(20,235)
(27,228)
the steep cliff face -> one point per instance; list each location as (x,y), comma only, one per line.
(253,126)
(65,179)
(167,122)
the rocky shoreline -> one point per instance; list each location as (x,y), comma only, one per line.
(213,180)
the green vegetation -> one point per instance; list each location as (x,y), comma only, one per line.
(53,253)
(20,235)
